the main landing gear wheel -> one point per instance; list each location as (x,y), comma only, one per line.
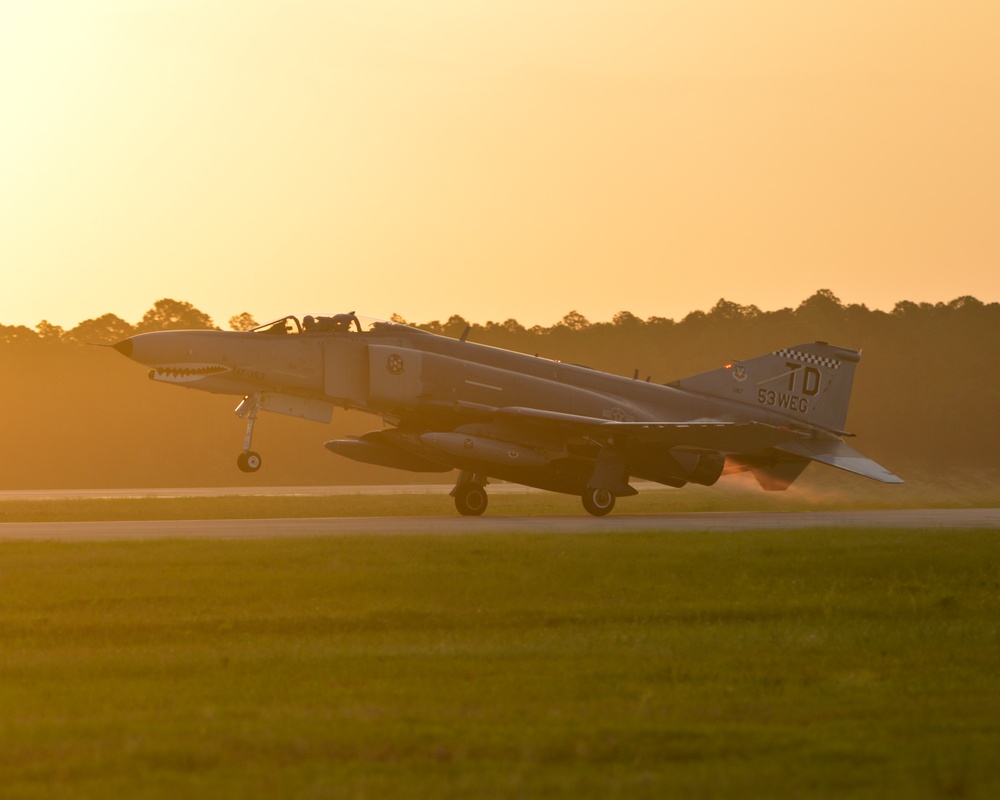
(248,461)
(598,501)
(471,500)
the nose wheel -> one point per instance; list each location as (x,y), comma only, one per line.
(248,460)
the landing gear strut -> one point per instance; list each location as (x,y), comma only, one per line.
(470,494)
(598,502)
(248,460)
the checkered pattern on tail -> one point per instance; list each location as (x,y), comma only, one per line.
(798,355)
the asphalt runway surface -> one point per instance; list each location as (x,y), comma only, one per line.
(912,519)
(441,489)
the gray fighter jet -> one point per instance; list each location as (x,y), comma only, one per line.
(491,413)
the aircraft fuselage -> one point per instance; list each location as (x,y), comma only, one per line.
(450,403)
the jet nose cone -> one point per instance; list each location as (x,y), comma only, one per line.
(124,347)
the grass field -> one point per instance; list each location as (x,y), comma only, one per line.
(859,663)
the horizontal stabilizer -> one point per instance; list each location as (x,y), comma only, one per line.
(727,437)
(836,453)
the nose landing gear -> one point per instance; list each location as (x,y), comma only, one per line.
(248,460)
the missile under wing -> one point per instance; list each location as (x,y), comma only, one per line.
(491,413)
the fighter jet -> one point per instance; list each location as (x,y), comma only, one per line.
(491,413)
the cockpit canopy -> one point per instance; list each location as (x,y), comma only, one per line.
(324,323)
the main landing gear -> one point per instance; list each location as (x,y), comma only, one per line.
(471,500)
(248,460)
(598,502)
(470,494)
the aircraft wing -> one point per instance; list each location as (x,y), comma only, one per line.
(732,437)
(836,453)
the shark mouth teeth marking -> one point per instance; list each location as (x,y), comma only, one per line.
(186,373)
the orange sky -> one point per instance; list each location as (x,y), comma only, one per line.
(511,159)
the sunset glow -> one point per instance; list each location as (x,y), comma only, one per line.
(516,159)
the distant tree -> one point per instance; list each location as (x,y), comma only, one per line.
(242,322)
(48,331)
(822,314)
(575,321)
(105,329)
(785,314)
(626,319)
(911,309)
(455,326)
(434,326)
(17,333)
(398,320)
(824,302)
(174,315)
(966,303)
(727,309)
(507,326)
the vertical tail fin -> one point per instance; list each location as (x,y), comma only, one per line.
(809,382)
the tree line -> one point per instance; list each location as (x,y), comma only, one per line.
(166,314)
(822,311)
(924,403)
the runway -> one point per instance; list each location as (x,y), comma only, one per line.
(441,489)
(247,491)
(454,525)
